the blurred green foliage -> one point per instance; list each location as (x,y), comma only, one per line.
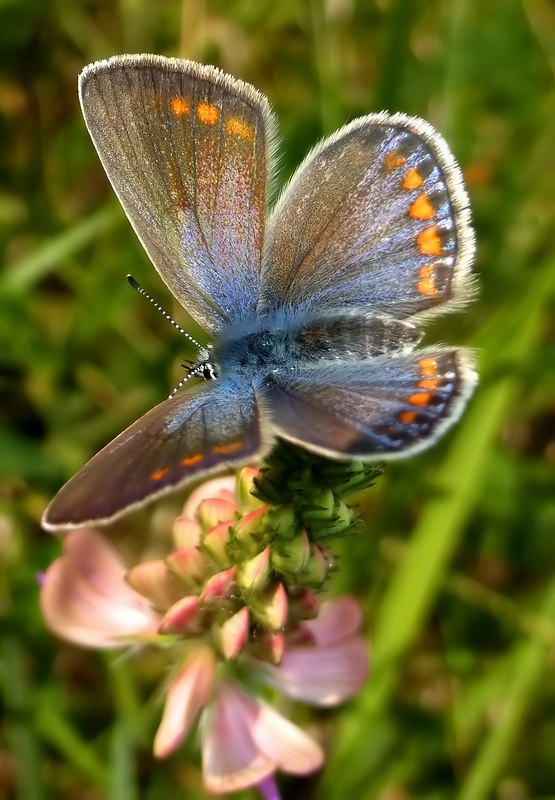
(456,569)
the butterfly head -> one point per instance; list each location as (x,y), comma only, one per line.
(204,366)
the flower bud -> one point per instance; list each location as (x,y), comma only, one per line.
(248,532)
(269,487)
(268,646)
(186,532)
(219,586)
(182,617)
(303,604)
(234,633)
(271,607)
(316,570)
(244,489)
(322,506)
(339,522)
(253,574)
(190,566)
(214,511)
(215,543)
(154,581)
(282,522)
(291,557)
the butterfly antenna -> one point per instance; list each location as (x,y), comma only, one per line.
(191,374)
(158,307)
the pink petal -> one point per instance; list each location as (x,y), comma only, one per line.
(230,758)
(234,632)
(337,620)
(324,676)
(84,611)
(188,692)
(291,749)
(222,488)
(97,560)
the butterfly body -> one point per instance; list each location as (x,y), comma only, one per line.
(253,348)
(315,312)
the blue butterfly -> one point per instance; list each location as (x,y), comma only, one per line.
(315,312)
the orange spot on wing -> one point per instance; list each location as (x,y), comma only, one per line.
(429,383)
(190,461)
(420,399)
(407,417)
(422,208)
(394,160)
(413,179)
(428,367)
(426,284)
(428,242)
(229,447)
(238,127)
(180,106)
(208,113)
(159,474)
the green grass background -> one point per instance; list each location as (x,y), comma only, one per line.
(455,571)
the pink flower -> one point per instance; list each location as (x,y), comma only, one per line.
(85,598)
(202,604)
(333,663)
(244,740)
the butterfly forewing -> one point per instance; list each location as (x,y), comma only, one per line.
(200,431)
(186,150)
(375,215)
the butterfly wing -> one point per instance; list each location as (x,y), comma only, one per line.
(207,428)
(380,408)
(375,215)
(186,149)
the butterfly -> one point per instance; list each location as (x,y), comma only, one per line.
(314,311)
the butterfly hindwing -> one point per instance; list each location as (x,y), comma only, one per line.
(375,215)
(186,150)
(379,408)
(194,433)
